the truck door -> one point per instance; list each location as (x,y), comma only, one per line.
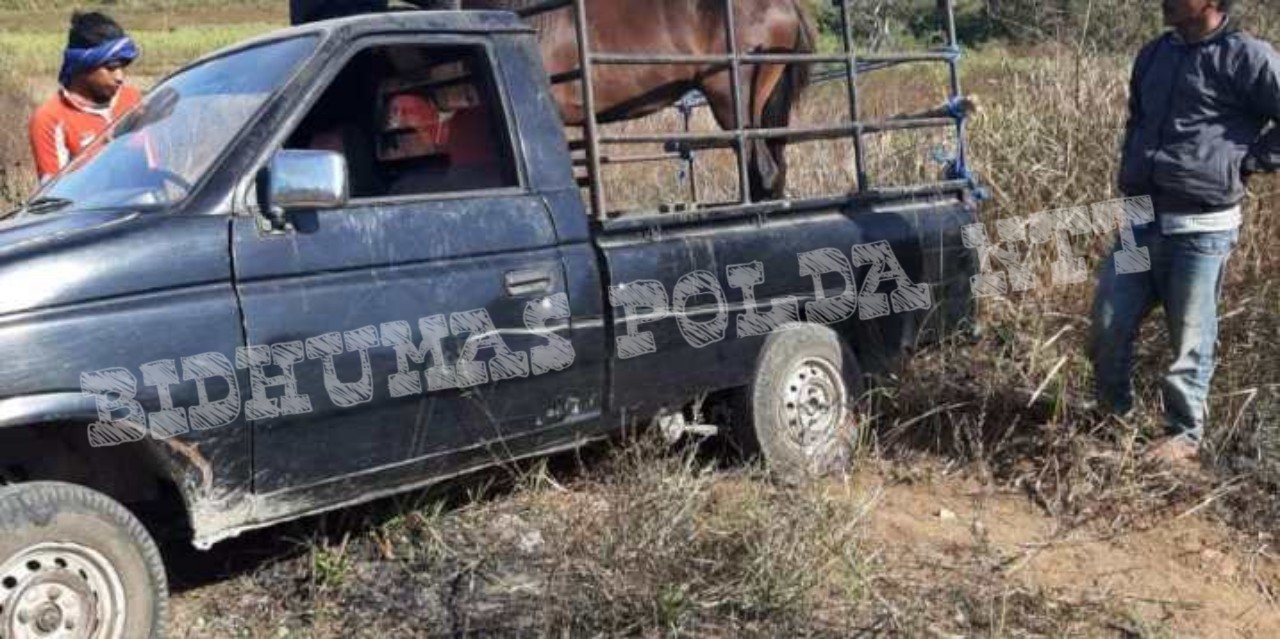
(418,330)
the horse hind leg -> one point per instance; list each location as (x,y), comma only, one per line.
(719,94)
(761,168)
(775,89)
(766,176)
(769,109)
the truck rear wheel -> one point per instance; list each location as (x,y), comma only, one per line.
(75,564)
(801,400)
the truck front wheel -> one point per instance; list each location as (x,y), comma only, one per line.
(75,564)
(801,403)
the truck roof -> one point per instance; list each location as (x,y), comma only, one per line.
(390,22)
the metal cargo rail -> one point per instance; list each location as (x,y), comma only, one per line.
(679,145)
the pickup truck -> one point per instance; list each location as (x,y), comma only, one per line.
(352,258)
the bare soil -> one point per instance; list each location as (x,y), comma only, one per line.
(1185,575)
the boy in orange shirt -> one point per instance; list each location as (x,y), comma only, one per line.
(91,96)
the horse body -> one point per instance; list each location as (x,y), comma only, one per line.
(688,27)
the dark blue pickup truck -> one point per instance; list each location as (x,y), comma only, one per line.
(351,259)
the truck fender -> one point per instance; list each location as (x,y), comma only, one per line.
(176,461)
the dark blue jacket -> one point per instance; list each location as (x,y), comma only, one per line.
(1197,117)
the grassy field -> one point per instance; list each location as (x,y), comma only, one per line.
(40,53)
(987,501)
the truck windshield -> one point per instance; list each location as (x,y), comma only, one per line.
(155,154)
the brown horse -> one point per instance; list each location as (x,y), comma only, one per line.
(692,27)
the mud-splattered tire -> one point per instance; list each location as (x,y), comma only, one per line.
(801,403)
(72,560)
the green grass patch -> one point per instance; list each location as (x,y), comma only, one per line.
(54,17)
(40,53)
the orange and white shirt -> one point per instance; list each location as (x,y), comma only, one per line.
(63,126)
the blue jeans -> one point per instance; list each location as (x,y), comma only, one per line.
(1186,278)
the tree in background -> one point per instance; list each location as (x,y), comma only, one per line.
(1092,25)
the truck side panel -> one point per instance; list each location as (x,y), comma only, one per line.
(685,361)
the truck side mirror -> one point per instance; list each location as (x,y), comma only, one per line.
(301,180)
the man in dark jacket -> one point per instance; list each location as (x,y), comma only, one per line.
(1203,111)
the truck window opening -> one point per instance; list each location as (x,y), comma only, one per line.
(413,120)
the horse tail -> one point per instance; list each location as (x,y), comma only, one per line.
(800,75)
(770,157)
(796,79)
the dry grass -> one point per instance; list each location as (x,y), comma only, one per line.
(15,162)
(646,541)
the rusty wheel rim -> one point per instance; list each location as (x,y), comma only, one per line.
(60,591)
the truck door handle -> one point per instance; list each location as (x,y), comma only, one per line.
(526,282)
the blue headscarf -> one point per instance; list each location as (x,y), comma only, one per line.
(75,61)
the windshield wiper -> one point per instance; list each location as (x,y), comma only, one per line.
(46,204)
